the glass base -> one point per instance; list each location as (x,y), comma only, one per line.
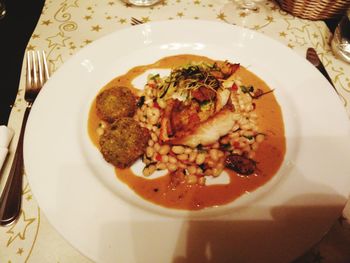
(142,2)
(2,10)
(253,17)
(341,40)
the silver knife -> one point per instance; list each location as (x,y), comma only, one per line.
(311,55)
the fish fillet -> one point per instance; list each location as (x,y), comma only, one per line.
(210,131)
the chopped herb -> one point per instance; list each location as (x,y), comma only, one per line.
(203,166)
(141,101)
(254,94)
(200,147)
(225,147)
(155,76)
(246,89)
(183,80)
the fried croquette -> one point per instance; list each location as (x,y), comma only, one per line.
(124,142)
(114,103)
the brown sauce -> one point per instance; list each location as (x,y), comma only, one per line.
(269,155)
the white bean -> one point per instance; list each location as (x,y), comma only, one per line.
(154,137)
(157,147)
(182,157)
(192,157)
(178,149)
(201,180)
(164,149)
(149,170)
(165,158)
(161,166)
(149,152)
(213,153)
(200,158)
(192,169)
(172,159)
(172,167)
(150,143)
(191,179)
(188,150)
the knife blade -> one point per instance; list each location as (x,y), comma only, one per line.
(312,56)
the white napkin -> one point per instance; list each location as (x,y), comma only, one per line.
(6,135)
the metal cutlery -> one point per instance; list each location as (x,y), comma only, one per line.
(36,75)
(135,21)
(311,55)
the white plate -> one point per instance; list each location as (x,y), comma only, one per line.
(106,221)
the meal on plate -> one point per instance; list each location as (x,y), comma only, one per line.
(206,133)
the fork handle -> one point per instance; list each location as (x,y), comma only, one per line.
(11,198)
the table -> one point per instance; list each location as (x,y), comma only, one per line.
(65,26)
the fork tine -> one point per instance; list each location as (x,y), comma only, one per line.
(46,66)
(40,69)
(11,196)
(37,69)
(29,70)
(135,21)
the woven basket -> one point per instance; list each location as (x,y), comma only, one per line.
(315,9)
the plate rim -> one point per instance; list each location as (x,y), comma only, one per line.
(95,45)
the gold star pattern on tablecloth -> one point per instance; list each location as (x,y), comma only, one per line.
(221,16)
(145,19)
(20,251)
(57,40)
(122,21)
(46,22)
(30,47)
(66,5)
(180,14)
(19,229)
(87,17)
(283,34)
(96,28)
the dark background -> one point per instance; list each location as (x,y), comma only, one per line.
(15,31)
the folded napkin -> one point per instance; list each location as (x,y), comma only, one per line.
(6,135)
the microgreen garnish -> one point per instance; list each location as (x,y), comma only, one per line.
(184,80)
(255,94)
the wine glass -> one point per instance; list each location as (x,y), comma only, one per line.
(253,14)
(2,10)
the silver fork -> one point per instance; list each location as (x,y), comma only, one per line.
(37,73)
(135,21)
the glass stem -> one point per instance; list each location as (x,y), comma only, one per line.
(2,10)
